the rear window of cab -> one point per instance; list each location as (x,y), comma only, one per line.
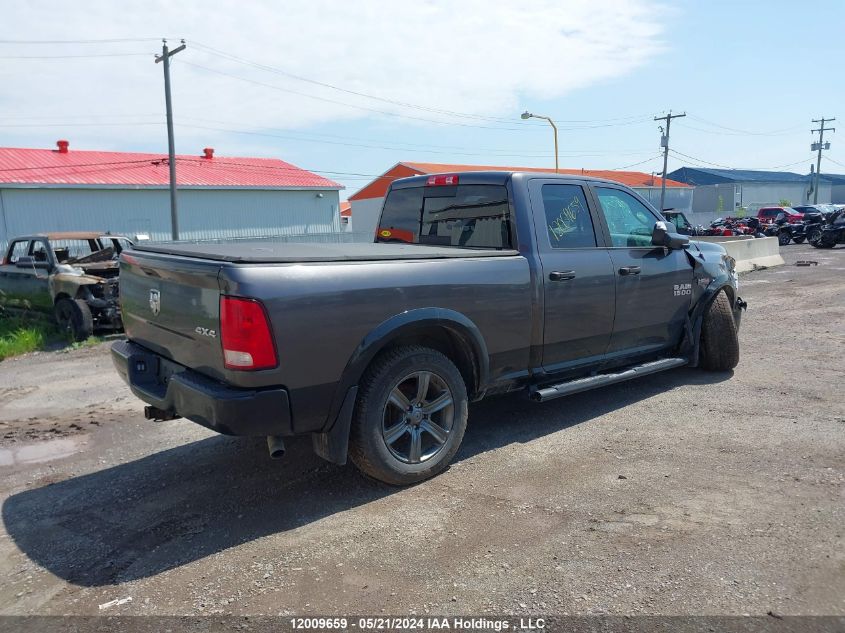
(469,216)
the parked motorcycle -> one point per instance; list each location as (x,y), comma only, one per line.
(735,226)
(825,230)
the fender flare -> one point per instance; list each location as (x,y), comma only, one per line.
(332,443)
(408,323)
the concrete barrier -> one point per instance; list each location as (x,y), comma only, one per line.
(749,252)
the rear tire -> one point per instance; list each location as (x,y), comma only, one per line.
(719,346)
(784,238)
(74,317)
(410,416)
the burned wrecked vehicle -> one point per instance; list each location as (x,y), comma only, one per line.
(72,275)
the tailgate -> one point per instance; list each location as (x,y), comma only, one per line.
(171,305)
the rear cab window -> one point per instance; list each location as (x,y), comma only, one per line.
(469,216)
(568,221)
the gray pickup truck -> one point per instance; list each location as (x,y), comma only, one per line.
(478,283)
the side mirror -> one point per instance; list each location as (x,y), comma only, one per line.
(661,236)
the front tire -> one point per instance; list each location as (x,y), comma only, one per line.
(410,416)
(816,239)
(784,238)
(719,346)
(74,317)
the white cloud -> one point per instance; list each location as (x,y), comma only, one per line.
(475,56)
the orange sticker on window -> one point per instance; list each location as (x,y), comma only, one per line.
(385,233)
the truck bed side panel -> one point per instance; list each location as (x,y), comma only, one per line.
(322,312)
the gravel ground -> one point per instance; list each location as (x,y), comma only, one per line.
(680,493)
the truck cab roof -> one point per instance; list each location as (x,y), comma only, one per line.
(491,178)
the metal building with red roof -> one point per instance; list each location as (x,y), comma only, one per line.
(127,192)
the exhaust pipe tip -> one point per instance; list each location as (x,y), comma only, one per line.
(276,446)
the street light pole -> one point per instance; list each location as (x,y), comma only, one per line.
(528,115)
(171,149)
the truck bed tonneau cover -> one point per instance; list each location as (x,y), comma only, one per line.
(261,252)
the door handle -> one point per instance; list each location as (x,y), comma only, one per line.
(563,275)
(629,270)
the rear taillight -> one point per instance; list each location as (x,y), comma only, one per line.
(245,334)
(441,180)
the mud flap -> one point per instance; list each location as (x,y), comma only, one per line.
(333,444)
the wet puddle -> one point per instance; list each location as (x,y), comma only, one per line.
(40,452)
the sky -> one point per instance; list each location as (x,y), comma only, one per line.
(349,89)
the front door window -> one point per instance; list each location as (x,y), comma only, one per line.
(629,221)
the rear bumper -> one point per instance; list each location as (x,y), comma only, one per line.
(186,393)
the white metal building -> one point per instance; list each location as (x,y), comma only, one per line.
(67,190)
(724,192)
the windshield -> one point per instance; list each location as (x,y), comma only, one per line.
(471,216)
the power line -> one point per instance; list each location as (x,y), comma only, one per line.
(455,151)
(395,114)
(686,126)
(279,71)
(91,41)
(357,93)
(229,164)
(74,56)
(117,162)
(39,125)
(746,132)
(676,153)
(366,142)
(642,162)
(343,103)
(83,116)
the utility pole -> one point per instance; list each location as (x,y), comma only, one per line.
(171,150)
(664,143)
(820,146)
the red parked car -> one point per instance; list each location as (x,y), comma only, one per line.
(767,215)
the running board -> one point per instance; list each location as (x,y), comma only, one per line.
(600,380)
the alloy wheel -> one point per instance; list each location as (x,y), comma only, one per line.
(418,417)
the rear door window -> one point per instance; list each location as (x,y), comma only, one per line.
(568,221)
(471,216)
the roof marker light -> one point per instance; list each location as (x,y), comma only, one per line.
(442,180)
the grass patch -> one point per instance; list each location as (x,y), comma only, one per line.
(27,332)
(21,341)
(91,341)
